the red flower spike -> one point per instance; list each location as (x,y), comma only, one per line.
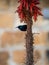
(28,6)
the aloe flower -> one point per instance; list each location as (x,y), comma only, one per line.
(28,6)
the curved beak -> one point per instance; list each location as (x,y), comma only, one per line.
(16,27)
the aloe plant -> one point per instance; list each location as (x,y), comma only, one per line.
(26,10)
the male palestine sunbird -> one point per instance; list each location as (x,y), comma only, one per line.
(22,27)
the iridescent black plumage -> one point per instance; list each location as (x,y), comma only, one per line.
(22,27)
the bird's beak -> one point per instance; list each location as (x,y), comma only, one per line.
(16,27)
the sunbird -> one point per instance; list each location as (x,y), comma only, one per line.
(22,27)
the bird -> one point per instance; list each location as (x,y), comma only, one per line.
(22,27)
